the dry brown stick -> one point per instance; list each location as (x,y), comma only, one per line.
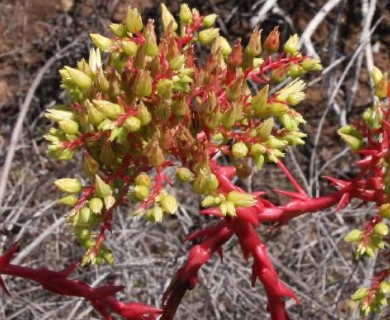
(22,115)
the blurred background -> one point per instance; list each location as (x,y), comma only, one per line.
(37,37)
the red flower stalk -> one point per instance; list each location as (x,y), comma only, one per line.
(102,298)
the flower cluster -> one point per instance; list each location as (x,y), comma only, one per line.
(150,104)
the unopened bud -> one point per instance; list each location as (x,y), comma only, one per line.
(85,214)
(102,189)
(68,185)
(384,287)
(272,42)
(118,29)
(185,14)
(209,20)
(381,229)
(381,89)
(184,175)
(208,35)
(108,256)
(259,101)
(143,83)
(129,47)
(354,236)
(209,201)
(91,166)
(79,78)
(69,127)
(360,294)
(150,47)
(311,65)
(164,88)
(156,214)
(109,201)
(296,98)
(292,44)
(384,210)
(169,203)
(96,205)
(167,18)
(103,43)
(70,200)
(259,161)
(134,20)
(141,192)
(257,149)
(180,108)
(143,179)
(265,128)
(351,137)
(377,75)
(220,43)
(236,56)
(239,150)
(296,71)
(111,110)
(233,92)
(143,114)
(82,233)
(132,124)
(211,182)
(253,49)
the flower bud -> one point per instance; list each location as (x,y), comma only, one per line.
(207,36)
(227,209)
(129,47)
(384,210)
(164,88)
(108,256)
(296,98)
(109,201)
(85,214)
(79,78)
(82,233)
(185,14)
(354,236)
(360,294)
(69,127)
(259,161)
(180,108)
(102,189)
(184,175)
(376,75)
(134,20)
(257,149)
(253,49)
(60,113)
(292,44)
(220,43)
(70,200)
(91,166)
(209,20)
(154,153)
(239,150)
(96,205)
(68,185)
(132,124)
(150,47)
(235,57)
(156,214)
(296,71)
(167,18)
(143,83)
(259,101)
(143,114)
(384,287)
(275,143)
(381,88)
(208,201)
(211,182)
(111,110)
(381,229)
(233,92)
(272,42)
(311,65)
(118,29)
(141,192)
(103,43)
(143,179)
(169,203)
(240,199)
(265,128)
(351,137)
